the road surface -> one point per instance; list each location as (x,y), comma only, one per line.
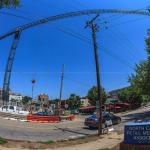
(17,130)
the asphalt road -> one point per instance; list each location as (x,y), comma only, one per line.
(66,130)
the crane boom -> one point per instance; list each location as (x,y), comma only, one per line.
(145,12)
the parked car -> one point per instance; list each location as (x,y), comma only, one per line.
(75,111)
(108,119)
(41,114)
(115,119)
(13,109)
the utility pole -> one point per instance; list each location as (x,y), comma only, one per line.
(94,28)
(33,83)
(61,87)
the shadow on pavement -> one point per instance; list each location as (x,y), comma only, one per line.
(143,116)
(68,130)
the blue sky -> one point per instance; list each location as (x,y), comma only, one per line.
(43,49)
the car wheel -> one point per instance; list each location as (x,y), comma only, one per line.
(118,121)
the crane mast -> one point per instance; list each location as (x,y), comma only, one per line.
(8,69)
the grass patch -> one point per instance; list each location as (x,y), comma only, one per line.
(47,142)
(2,141)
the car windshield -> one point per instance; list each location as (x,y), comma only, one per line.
(93,116)
(107,116)
(104,114)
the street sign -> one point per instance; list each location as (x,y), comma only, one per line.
(137,133)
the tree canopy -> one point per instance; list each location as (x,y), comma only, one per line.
(130,95)
(74,101)
(140,80)
(92,95)
(26,100)
(9,3)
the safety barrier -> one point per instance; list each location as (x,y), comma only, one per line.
(43,119)
(70,118)
(48,119)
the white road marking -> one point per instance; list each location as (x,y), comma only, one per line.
(6,118)
(23,120)
(76,136)
(12,119)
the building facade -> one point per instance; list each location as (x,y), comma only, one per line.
(84,102)
(44,100)
(43,97)
(15,99)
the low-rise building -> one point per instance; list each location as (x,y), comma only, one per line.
(84,102)
(43,97)
(15,98)
(44,100)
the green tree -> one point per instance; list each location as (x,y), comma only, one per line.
(26,100)
(9,3)
(13,101)
(131,95)
(140,80)
(93,95)
(124,94)
(74,101)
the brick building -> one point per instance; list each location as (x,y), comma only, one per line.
(44,100)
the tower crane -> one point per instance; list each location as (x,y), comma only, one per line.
(18,30)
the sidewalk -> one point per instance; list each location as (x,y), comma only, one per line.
(106,141)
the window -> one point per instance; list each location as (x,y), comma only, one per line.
(5,107)
(11,107)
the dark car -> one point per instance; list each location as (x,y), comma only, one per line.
(75,112)
(115,119)
(41,114)
(109,119)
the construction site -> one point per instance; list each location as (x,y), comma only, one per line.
(96,52)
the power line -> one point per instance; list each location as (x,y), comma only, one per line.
(89,42)
(14,15)
(117,37)
(128,42)
(129,21)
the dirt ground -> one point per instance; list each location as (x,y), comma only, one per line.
(88,143)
